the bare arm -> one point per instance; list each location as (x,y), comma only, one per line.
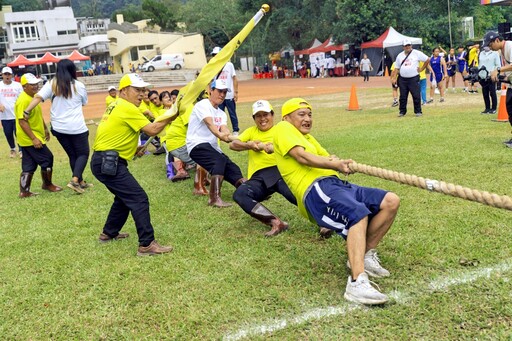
(34,103)
(239,146)
(154,128)
(27,130)
(305,158)
(222,134)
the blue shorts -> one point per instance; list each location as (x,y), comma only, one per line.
(338,205)
(439,77)
(451,72)
(462,67)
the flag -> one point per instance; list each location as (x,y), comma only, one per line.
(189,92)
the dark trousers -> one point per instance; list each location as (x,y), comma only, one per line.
(489,91)
(509,105)
(32,157)
(411,85)
(254,191)
(77,148)
(366,76)
(129,196)
(216,163)
(10,132)
(231,105)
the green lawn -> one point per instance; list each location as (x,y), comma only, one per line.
(225,280)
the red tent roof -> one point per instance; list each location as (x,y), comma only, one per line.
(21,60)
(48,58)
(327,46)
(77,56)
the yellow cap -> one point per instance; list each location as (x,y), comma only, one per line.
(132,79)
(294,104)
(29,78)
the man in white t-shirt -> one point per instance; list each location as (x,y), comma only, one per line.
(9,92)
(229,75)
(407,65)
(207,125)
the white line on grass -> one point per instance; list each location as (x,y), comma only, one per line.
(400,298)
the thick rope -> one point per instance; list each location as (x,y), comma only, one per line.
(486,198)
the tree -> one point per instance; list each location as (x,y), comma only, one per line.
(159,13)
(24,5)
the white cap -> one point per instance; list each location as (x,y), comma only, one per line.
(132,79)
(216,50)
(406,42)
(7,69)
(219,84)
(111,88)
(29,78)
(261,105)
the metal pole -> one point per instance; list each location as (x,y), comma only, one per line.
(450,23)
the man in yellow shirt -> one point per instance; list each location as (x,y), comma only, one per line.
(112,95)
(361,215)
(264,178)
(32,136)
(116,143)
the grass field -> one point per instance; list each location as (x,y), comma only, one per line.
(224,280)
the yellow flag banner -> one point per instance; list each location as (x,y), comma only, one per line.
(189,92)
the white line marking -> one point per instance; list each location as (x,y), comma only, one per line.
(400,298)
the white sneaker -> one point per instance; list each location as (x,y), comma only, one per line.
(235,133)
(372,265)
(362,291)
(436,91)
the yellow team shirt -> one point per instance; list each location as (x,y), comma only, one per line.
(35,121)
(473,57)
(423,74)
(143,106)
(119,129)
(109,99)
(176,132)
(298,177)
(154,109)
(258,160)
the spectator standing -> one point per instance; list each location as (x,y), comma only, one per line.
(407,66)
(438,74)
(451,68)
(366,67)
(229,75)
(9,92)
(68,96)
(112,95)
(462,66)
(491,61)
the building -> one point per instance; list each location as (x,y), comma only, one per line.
(130,42)
(93,38)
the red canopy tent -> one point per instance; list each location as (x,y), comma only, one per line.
(21,61)
(315,43)
(47,58)
(77,56)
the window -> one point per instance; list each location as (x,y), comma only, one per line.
(134,53)
(64,33)
(145,47)
(24,31)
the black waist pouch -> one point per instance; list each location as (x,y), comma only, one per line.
(109,161)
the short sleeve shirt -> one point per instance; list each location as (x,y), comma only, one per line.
(298,177)
(227,73)
(8,95)
(176,132)
(409,68)
(258,160)
(119,129)
(35,121)
(198,131)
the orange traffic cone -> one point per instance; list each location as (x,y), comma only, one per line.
(353,104)
(386,73)
(502,111)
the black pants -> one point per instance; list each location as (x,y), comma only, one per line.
(509,105)
(216,163)
(366,76)
(411,85)
(77,148)
(489,91)
(231,105)
(9,127)
(129,196)
(32,157)
(254,191)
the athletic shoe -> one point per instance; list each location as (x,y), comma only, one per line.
(362,291)
(436,91)
(75,186)
(454,90)
(491,112)
(13,154)
(441,100)
(105,238)
(372,265)
(465,90)
(395,104)
(153,249)
(85,185)
(430,100)
(401,115)
(486,111)
(235,133)
(507,142)
(418,114)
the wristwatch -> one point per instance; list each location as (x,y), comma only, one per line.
(499,70)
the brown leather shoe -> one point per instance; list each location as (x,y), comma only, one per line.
(153,249)
(105,238)
(326,233)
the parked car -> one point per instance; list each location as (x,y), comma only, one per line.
(164,62)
